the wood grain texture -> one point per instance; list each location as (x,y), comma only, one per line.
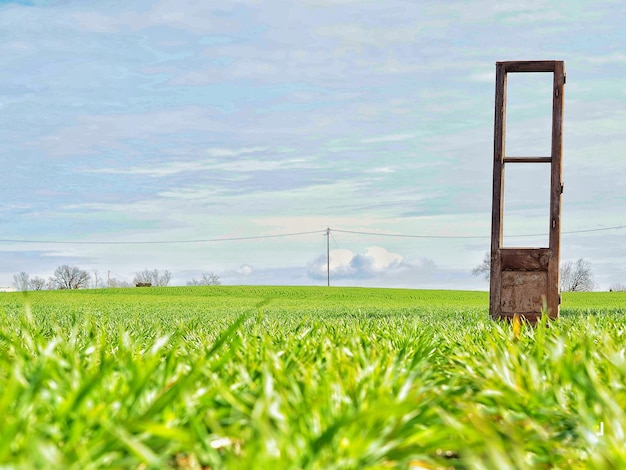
(527,159)
(556,189)
(498,189)
(525,259)
(529,65)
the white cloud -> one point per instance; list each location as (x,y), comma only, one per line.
(378,259)
(381,170)
(484,77)
(251,165)
(377,266)
(153,171)
(344,263)
(341,262)
(225,159)
(244,271)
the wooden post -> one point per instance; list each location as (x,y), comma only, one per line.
(556,188)
(498,188)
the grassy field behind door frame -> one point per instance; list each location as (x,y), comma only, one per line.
(307,377)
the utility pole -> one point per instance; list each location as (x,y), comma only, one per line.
(328,255)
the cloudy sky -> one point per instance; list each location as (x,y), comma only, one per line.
(168,133)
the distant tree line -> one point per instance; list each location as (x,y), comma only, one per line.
(64,277)
(73,277)
(149,278)
(207,279)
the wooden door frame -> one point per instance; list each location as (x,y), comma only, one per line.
(551,255)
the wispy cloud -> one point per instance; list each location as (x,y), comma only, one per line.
(185,119)
(167,169)
(388,138)
(224,152)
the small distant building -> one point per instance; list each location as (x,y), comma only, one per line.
(7,289)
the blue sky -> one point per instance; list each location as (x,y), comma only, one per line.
(175,120)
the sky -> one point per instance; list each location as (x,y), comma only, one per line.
(226,137)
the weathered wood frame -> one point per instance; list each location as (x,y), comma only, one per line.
(525,280)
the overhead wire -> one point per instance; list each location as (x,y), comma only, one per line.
(159,242)
(475,237)
(292,234)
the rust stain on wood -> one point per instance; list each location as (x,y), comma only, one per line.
(523,291)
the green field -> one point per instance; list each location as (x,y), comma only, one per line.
(307,378)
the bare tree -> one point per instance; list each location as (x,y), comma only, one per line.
(484,268)
(208,279)
(37,283)
(98,282)
(69,277)
(617,287)
(164,279)
(576,277)
(21,281)
(144,277)
(153,278)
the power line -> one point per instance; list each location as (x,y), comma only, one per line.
(474,237)
(295,234)
(401,235)
(160,242)
(596,229)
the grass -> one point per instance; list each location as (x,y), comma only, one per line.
(307,378)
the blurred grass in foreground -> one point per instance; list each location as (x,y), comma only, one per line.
(315,378)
